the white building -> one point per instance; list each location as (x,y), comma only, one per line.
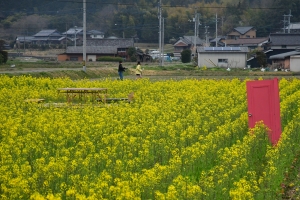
(230,57)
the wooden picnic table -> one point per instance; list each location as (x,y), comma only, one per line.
(71,93)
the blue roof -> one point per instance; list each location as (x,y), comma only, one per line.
(222,48)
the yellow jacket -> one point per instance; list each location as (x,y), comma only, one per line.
(138,69)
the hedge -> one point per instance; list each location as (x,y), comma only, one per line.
(109,58)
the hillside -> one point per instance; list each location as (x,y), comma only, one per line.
(139,18)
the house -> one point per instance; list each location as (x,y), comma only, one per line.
(289,60)
(232,57)
(242,32)
(96,48)
(251,43)
(121,45)
(220,42)
(252,62)
(49,36)
(293,28)
(92,53)
(74,34)
(281,43)
(22,40)
(186,42)
(77,32)
(94,34)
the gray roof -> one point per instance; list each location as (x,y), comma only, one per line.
(120,42)
(216,39)
(92,50)
(289,39)
(48,38)
(72,31)
(293,26)
(46,33)
(222,49)
(95,32)
(188,40)
(284,55)
(244,29)
(24,38)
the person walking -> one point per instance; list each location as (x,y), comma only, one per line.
(138,70)
(121,69)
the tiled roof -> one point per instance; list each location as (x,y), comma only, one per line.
(120,42)
(92,50)
(72,31)
(24,38)
(244,29)
(95,32)
(246,41)
(284,55)
(289,39)
(188,40)
(44,33)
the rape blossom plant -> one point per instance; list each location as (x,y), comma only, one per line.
(186,139)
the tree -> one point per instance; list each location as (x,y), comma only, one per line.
(261,58)
(186,56)
(131,53)
(2,42)
(3,54)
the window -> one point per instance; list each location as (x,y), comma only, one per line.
(283,46)
(223,60)
(121,50)
(247,36)
(73,58)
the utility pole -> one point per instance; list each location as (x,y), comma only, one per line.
(66,37)
(160,32)
(84,36)
(222,25)
(24,43)
(196,19)
(216,29)
(287,22)
(206,35)
(75,29)
(162,41)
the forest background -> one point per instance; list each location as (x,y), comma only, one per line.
(139,18)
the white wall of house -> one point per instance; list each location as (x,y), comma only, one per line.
(91,57)
(295,63)
(220,59)
(97,36)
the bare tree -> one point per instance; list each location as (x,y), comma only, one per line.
(102,19)
(30,25)
(233,63)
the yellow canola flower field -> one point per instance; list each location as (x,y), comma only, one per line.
(186,139)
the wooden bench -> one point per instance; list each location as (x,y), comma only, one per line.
(104,99)
(34,100)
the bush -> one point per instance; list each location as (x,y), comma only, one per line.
(109,58)
(133,58)
(1,59)
(4,56)
(186,56)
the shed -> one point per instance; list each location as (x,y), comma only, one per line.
(294,63)
(286,60)
(92,52)
(232,57)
